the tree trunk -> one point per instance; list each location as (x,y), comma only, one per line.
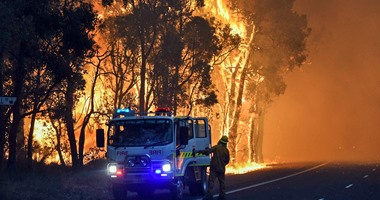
(87,118)
(231,99)
(30,140)
(229,114)
(68,115)
(175,90)
(82,138)
(12,140)
(233,133)
(14,129)
(2,135)
(58,131)
(2,111)
(251,139)
(32,123)
(142,80)
(58,148)
(260,136)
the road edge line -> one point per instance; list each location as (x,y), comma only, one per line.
(271,181)
(275,180)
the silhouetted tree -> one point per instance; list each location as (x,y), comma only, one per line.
(50,38)
(90,109)
(75,43)
(8,28)
(19,59)
(174,50)
(120,69)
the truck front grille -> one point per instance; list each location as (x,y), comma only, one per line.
(137,164)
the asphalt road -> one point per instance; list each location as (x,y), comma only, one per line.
(304,181)
(311,181)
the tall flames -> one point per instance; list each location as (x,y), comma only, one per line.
(221,11)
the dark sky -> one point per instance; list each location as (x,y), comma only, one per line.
(331,108)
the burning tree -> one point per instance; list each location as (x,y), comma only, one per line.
(275,46)
(178,54)
(262,43)
(161,52)
(251,75)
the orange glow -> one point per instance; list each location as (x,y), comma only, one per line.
(45,136)
(40,130)
(242,168)
(236,61)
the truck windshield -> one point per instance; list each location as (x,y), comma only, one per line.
(140,132)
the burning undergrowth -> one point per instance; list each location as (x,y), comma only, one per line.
(242,168)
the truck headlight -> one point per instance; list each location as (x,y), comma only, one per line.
(112,169)
(166,167)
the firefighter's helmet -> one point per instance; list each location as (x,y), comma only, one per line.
(224,139)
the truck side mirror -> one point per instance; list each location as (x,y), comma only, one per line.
(100,137)
(184,135)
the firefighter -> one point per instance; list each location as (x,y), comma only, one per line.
(220,158)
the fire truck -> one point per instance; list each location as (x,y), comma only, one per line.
(155,150)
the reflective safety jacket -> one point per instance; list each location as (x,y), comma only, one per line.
(220,157)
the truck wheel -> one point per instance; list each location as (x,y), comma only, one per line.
(202,184)
(177,189)
(198,187)
(119,192)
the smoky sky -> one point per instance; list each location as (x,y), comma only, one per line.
(331,108)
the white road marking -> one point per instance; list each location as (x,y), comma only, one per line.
(348,186)
(366,176)
(271,181)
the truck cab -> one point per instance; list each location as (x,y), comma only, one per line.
(155,151)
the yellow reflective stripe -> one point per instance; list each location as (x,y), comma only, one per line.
(189,154)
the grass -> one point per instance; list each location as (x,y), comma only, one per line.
(56,182)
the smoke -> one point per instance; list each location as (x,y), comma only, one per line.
(331,108)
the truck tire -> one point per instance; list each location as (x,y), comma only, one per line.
(198,187)
(177,189)
(119,191)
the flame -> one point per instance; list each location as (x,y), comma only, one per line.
(44,135)
(242,168)
(220,10)
(39,131)
(216,8)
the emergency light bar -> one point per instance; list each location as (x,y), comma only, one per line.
(125,112)
(163,111)
(128,112)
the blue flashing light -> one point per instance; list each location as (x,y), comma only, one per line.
(125,111)
(158,171)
